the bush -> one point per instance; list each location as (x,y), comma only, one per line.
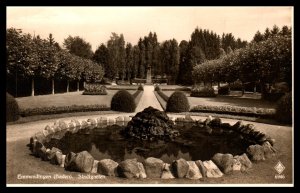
(136,93)
(178,102)
(12,108)
(236,86)
(198,91)
(94,89)
(123,101)
(233,110)
(62,109)
(163,95)
(224,90)
(284,109)
(141,88)
(157,88)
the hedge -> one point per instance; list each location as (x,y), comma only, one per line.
(62,109)
(232,110)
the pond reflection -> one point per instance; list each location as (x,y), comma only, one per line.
(195,142)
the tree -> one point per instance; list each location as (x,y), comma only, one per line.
(185,65)
(101,56)
(258,37)
(78,46)
(129,61)
(51,40)
(116,55)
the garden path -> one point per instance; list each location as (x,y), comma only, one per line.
(148,99)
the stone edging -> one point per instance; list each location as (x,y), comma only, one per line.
(219,164)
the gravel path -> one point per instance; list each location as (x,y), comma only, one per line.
(148,99)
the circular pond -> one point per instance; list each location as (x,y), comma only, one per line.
(195,142)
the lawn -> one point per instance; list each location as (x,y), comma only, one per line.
(66,99)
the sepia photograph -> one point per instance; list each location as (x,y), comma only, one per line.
(194,96)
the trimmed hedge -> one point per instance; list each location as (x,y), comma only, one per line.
(141,88)
(224,90)
(232,110)
(157,88)
(198,91)
(62,109)
(178,102)
(123,101)
(94,89)
(136,93)
(12,108)
(284,109)
(162,95)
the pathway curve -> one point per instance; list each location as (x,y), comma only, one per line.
(148,99)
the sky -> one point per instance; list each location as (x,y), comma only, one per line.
(95,24)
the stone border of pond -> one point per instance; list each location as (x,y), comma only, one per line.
(219,165)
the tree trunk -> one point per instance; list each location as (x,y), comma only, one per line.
(32,87)
(52,86)
(78,86)
(67,86)
(16,84)
(243,89)
(218,85)
(254,90)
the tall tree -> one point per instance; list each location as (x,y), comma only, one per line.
(78,46)
(101,56)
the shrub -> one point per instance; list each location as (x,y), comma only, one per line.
(136,93)
(123,101)
(178,102)
(62,109)
(163,95)
(224,90)
(157,88)
(284,109)
(236,86)
(94,89)
(141,88)
(233,110)
(12,108)
(198,91)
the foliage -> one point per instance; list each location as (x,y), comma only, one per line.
(234,110)
(223,90)
(78,46)
(134,95)
(94,89)
(141,88)
(62,109)
(12,108)
(178,102)
(284,109)
(123,101)
(198,91)
(162,94)
(157,88)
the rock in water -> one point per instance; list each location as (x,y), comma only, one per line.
(150,124)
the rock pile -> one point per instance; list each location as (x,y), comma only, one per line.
(151,124)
